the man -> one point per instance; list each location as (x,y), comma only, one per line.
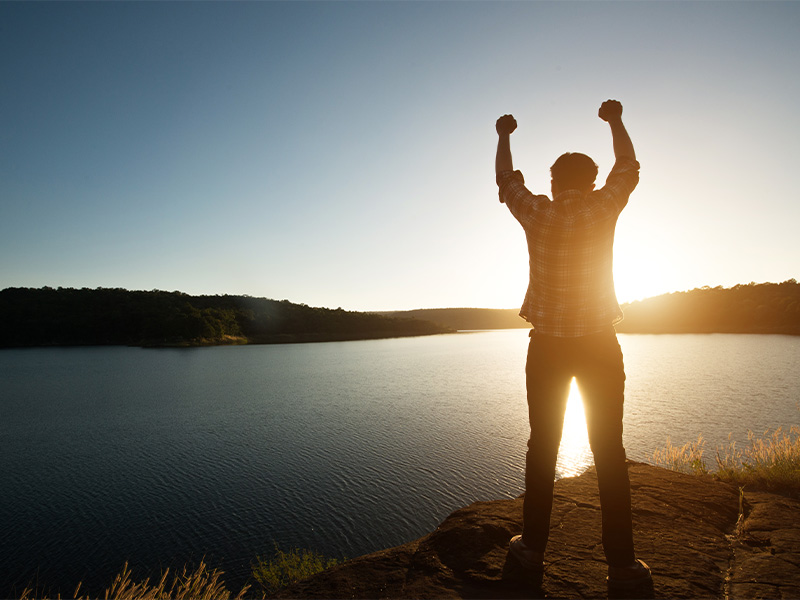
(572,306)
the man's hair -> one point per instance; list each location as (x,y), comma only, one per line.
(573,171)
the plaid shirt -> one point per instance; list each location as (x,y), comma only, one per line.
(571,242)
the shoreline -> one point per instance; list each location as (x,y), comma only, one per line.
(314,338)
(268,340)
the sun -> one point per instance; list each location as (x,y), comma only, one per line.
(636,277)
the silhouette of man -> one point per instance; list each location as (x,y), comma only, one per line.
(573,307)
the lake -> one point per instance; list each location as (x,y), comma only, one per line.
(161,457)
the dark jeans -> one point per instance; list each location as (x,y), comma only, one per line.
(596,363)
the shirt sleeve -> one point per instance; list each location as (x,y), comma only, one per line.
(504,178)
(621,181)
(520,201)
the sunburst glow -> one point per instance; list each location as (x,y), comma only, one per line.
(574,455)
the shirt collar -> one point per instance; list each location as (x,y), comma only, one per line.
(569,195)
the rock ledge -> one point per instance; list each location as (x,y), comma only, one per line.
(699,537)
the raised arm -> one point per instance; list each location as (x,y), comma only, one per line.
(505,126)
(611,112)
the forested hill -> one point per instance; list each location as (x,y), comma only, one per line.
(751,308)
(464,319)
(66,316)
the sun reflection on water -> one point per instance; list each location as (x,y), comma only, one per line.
(574,455)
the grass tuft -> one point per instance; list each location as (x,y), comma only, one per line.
(285,568)
(201,584)
(272,574)
(686,459)
(770,462)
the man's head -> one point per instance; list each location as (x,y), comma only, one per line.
(573,171)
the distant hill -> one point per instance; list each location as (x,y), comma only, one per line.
(463,319)
(67,316)
(750,308)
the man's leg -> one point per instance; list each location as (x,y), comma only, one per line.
(547,381)
(601,379)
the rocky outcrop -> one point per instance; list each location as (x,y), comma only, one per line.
(766,562)
(701,538)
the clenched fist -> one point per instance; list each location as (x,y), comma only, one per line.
(506,125)
(610,110)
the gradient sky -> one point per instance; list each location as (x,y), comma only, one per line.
(342,153)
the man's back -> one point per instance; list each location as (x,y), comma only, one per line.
(570,243)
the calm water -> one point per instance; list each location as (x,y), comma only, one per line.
(162,457)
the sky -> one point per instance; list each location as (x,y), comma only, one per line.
(341,154)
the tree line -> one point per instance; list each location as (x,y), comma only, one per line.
(747,308)
(68,316)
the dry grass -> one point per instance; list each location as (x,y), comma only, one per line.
(770,462)
(686,459)
(272,574)
(201,584)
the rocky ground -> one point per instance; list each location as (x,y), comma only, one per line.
(702,539)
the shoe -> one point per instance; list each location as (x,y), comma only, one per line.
(530,560)
(631,576)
